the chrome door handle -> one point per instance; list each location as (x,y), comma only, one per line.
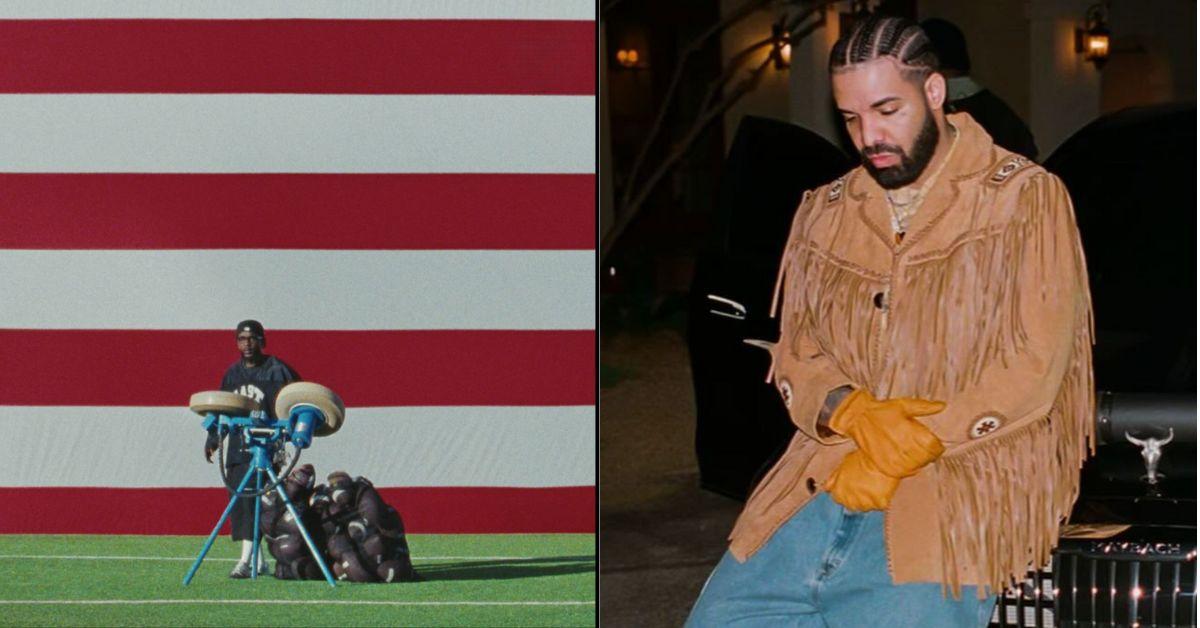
(729,308)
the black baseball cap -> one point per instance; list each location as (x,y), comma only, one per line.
(251,326)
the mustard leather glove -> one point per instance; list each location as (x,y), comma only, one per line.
(859,485)
(886,432)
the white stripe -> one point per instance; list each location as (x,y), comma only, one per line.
(296,133)
(289,289)
(312,602)
(234,560)
(251,9)
(127,447)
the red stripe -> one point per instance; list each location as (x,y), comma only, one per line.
(298,56)
(450,510)
(297,211)
(367,368)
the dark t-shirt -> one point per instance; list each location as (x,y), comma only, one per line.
(261,383)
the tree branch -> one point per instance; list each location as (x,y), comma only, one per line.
(633,196)
(699,126)
(746,9)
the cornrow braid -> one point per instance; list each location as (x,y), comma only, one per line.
(883,36)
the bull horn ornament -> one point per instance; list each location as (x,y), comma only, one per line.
(1151,453)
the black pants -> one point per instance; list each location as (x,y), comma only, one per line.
(242,516)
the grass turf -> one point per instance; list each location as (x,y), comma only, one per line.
(471,580)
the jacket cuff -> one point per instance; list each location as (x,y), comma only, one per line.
(836,402)
(805,406)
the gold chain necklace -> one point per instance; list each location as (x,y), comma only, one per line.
(905,202)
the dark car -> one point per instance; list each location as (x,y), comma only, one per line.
(741,422)
(1128,556)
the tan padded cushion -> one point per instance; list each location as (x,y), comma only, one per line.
(312,394)
(221,402)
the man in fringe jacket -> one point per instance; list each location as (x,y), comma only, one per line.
(935,356)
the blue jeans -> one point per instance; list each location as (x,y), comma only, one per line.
(827,566)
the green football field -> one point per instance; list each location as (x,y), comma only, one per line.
(471,580)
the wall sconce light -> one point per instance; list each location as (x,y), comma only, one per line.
(628,58)
(1094,39)
(781,47)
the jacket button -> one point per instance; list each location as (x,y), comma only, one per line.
(879,300)
(811,485)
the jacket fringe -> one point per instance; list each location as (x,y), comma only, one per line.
(1002,527)
(787,261)
(798,220)
(843,292)
(989,522)
(940,350)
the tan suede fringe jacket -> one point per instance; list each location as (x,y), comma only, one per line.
(984,306)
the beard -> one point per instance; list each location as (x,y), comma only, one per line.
(912,162)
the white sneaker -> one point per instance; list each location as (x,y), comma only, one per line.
(240,570)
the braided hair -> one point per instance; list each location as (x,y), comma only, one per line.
(883,36)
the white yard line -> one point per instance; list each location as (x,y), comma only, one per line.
(320,602)
(189,558)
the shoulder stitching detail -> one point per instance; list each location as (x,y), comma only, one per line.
(1006,168)
(835,189)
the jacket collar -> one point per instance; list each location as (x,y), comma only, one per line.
(971,158)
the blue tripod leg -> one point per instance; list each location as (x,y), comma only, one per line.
(257,515)
(303,531)
(212,537)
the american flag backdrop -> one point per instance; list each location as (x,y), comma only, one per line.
(401,191)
